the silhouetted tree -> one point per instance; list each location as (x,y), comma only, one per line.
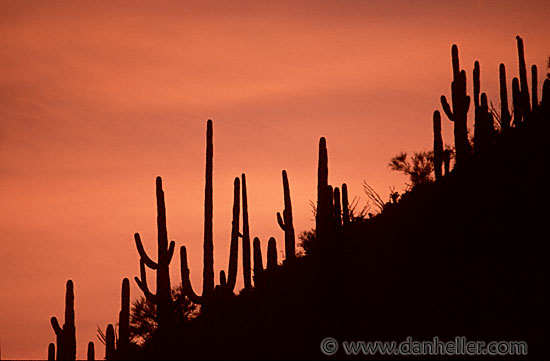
(419,168)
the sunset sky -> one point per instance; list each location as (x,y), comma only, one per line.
(99,97)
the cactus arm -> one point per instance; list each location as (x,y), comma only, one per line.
(55,325)
(143,255)
(280,221)
(142,283)
(185,281)
(447,108)
(171,251)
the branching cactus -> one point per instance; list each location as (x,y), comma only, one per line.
(504,112)
(66,335)
(438,145)
(91,351)
(286,223)
(345,205)
(525,106)
(163,297)
(477,108)
(208,246)
(246,237)
(459,112)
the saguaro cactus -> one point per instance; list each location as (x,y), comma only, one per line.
(525,106)
(504,112)
(324,200)
(124,320)
(234,247)
(438,145)
(516,101)
(286,223)
(337,210)
(66,335)
(459,112)
(208,246)
(258,263)
(110,351)
(246,238)
(163,297)
(345,205)
(534,89)
(271,254)
(478,114)
(91,351)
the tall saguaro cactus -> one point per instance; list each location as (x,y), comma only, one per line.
(234,247)
(208,245)
(286,223)
(504,112)
(438,145)
(459,112)
(110,351)
(246,237)
(66,335)
(525,105)
(163,297)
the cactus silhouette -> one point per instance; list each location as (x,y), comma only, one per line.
(524,90)
(110,351)
(459,112)
(123,340)
(516,101)
(438,145)
(163,298)
(345,205)
(534,88)
(234,246)
(208,245)
(91,351)
(447,161)
(246,237)
(337,215)
(286,223)
(271,254)
(504,112)
(324,200)
(51,352)
(258,263)
(66,335)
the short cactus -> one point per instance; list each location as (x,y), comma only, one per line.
(438,145)
(286,223)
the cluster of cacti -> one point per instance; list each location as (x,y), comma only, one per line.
(332,206)
(117,348)
(163,297)
(524,107)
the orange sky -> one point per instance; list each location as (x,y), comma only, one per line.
(98,98)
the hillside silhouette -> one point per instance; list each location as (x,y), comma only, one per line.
(464,254)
